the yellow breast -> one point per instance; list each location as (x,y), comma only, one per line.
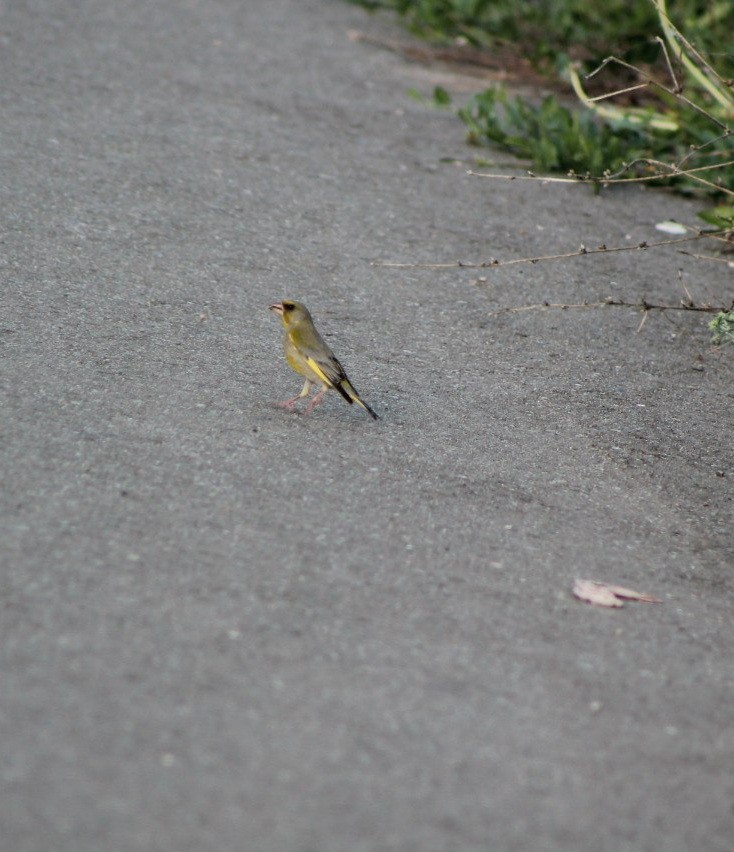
(297,362)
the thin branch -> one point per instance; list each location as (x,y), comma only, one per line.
(664,170)
(616,92)
(691,173)
(696,149)
(676,85)
(683,285)
(673,170)
(704,70)
(543,306)
(580,252)
(645,315)
(630,115)
(638,115)
(531,176)
(611,303)
(727,261)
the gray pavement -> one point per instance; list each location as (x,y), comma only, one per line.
(225,627)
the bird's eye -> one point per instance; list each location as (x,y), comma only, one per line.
(287,306)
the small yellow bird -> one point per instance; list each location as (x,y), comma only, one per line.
(309,354)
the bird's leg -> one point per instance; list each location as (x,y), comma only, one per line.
(316,400)
(289,404)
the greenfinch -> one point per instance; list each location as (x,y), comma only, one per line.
(309,354)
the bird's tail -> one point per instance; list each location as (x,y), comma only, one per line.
(347,391)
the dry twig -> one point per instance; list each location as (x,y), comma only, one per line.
(579,252)
(643,305)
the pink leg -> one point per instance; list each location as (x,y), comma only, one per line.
(290,404)
(316,400)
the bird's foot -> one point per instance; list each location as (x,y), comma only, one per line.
(316,400)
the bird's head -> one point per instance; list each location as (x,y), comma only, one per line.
(290,312)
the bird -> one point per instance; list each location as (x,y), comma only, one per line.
(310,356)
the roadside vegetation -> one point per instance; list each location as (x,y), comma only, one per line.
(653,82)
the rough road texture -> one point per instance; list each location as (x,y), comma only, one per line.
(225,627)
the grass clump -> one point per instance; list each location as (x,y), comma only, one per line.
(666,108)
(544,28)
(552,137)
(722,326)
(549,30)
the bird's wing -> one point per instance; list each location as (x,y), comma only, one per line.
(319,357)
(330,371)
(322,363)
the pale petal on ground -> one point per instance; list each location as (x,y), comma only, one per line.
(595,593)
(604,594)
(631,595)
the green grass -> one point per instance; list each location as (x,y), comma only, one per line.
(547,29)
(722,326)
(602,137)
(553,138)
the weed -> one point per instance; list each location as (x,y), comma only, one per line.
(440,98)
(722,326)
(549,30)
(679,132)
(552,137)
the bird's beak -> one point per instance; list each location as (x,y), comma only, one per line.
(277,308)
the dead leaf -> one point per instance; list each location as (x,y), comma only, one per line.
(631,595)
(603,594)
(595,593)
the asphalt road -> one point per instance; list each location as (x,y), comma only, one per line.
(226,627)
